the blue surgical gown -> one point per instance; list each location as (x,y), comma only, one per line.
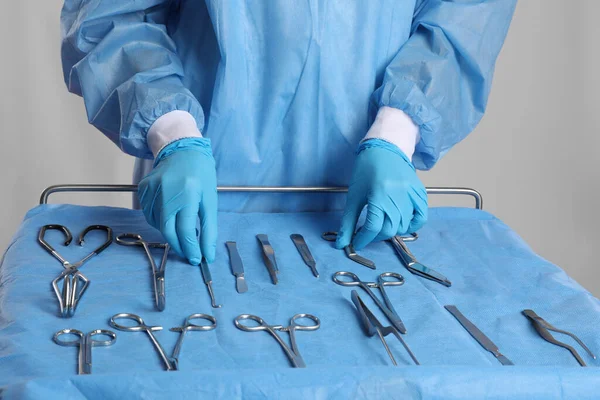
(284,89)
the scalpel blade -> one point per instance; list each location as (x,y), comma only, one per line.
(483,340)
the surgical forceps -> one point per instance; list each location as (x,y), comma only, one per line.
(373,327)
(543,327)
(189,326)
(293,354)
(71,276)
(141,326)
(350,252)
(85,342)
(158,273)
(382,282)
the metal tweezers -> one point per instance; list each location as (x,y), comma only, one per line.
(374,327)
(411,263)
(542,327)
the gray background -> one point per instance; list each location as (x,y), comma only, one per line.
(534,156)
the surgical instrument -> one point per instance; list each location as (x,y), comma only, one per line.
(293,354)
(304,251)
(158,273)
(350,252)
(372,326)
(207,277)
(237,267)
(411,263)
(142,327)
(85,342)
(189,326)
(71,294)
(387,308)
(542,327)
(483,340)
(269,257)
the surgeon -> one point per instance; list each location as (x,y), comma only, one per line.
(282,93)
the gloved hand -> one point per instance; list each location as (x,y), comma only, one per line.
(182,187)
(386,182)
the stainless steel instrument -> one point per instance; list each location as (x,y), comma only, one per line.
(411,263)
(382,282)
(269,257)
(349,250)
(85,342)
(158,273)
(188,325)
(304,251)
(543,327)
(207,277)
(293,353)
(71,293)
(483,340)
(372,326)
(237,267)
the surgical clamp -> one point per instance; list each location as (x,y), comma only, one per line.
(85,342)
(387,308)
(189,326)
(71,294)
(269,257)
(542,327)
(411,263)
(141,326)
(158,273)
(207,277)
(293,354)
(304,251)
(349,250)
(372,326)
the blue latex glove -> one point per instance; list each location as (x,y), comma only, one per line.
(182,187)
(386,182)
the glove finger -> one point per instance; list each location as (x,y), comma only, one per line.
(186,234)
(167,228)
(208,222)
(353,208)
(420,215)
(371,228)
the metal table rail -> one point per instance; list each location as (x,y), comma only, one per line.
(458,191)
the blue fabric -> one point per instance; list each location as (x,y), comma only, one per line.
(385,181)
(284,89)
(494,274)
(180,195)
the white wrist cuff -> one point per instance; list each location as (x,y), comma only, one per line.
(170,127)
(394,126)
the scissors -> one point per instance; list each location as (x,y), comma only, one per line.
(70,295)
(350,252)
(382,282)
(142,327)
(158,273)
(85,342)
(293,354)
(189,326)
(414,266)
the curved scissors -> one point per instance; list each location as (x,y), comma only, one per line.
(70,295)
(142,327)
(158,273)
(85,342)
(293,354)
(382,282)
(188,325)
